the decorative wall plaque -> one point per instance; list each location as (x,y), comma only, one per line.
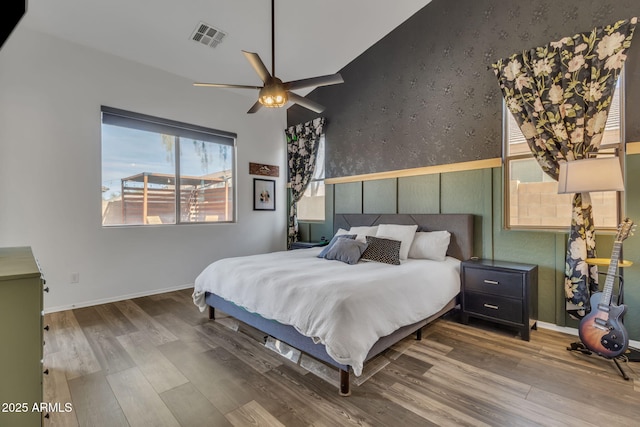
(266,170)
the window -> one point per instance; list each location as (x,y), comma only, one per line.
(311,206)
(532,199)
(158,171)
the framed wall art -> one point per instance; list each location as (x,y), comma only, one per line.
(264,194)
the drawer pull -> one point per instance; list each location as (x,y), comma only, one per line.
(46,289)
(46,328)
(491,282)
(491,306)
(46,372)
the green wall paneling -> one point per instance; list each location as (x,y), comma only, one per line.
(532,247)
(471,192)
(480,192)
(315,231)
(419,194)
(348,197)
(304,228)
(631,248)
(380,196)
(561,317)
(318,230)
(326,229)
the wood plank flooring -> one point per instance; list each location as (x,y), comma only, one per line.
(158,361)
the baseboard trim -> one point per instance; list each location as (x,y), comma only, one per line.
(118,298)
(543,325)
(554,327)
(574,331)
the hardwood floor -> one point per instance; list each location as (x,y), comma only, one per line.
(158,361)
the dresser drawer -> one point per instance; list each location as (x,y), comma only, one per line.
(494,306)
(494,282)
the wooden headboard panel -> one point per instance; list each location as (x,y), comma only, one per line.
(459,225)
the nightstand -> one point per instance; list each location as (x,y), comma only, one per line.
(306,245)
(501,292)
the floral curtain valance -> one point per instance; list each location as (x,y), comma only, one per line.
(560,95)
(302,146)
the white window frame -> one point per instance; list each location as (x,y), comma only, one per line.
(614,148)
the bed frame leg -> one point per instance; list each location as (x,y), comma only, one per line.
(212,313)
(344,383)
(419,335)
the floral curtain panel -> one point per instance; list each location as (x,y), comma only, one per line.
(560,96)
(302,146)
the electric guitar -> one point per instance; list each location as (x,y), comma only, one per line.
(600,331)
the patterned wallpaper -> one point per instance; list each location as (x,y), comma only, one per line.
(424,95)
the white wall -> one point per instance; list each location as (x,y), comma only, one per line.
(50,172)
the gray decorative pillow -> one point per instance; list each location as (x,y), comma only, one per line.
(333,241)
(382,250)
(346,250)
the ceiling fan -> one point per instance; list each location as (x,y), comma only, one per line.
(275,93)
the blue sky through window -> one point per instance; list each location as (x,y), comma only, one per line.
(127,152)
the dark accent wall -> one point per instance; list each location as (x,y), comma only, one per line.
(423,95)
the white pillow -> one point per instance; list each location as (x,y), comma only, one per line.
(404,233)
(430,245)
(341,231)
(363,231)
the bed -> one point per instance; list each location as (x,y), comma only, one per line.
(341,314)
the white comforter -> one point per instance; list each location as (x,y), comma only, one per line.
(345,307)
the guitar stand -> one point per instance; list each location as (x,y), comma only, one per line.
(580,347)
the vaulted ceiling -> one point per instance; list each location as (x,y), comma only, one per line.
(312,37)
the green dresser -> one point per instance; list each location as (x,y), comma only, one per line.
(21,287)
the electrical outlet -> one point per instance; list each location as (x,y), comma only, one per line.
(75,277)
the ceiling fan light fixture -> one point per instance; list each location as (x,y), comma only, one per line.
(273,95)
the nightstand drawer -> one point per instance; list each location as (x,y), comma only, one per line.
(494,282)
(494,306)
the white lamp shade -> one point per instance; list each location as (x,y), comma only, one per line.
(588,175)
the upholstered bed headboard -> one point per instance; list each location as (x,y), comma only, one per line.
(459,225)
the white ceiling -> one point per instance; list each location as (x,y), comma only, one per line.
(313,37)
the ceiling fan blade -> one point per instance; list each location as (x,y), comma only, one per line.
(227,86)
(330,79)
(306,103)
(258,65)
(254,108)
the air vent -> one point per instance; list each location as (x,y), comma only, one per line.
(207,35)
